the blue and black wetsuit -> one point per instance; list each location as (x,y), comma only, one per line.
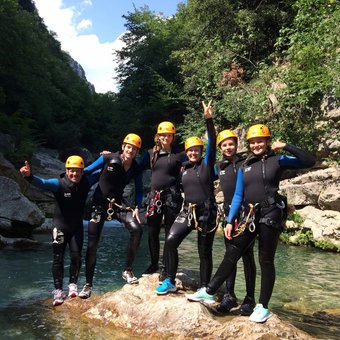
(258,183)
(67,221)
(227,173)
(199,211)
(112,182)
(165,197)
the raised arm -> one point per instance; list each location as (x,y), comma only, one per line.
(210,156)
(96,165)
(302,159)
(50,184)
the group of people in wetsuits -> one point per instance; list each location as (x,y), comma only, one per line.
(182,199)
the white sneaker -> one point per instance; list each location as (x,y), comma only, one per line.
(201,295)
(260,314)
(72,290)
(85,292)
(128,276)
(58,297)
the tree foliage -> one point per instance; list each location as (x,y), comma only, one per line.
(260,61)
(42,99)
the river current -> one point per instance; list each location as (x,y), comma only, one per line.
(307,282)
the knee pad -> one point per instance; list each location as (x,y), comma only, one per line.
(58,236)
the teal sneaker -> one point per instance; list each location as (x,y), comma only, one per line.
(166,287)
(260,314)
(201,295)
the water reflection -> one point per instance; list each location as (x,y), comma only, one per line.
(307,281)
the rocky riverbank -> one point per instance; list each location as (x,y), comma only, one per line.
(141,313)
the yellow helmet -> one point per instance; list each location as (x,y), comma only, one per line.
(166,127)
(74,162)
(193,141)
(224,135)
(258,130)
(133,139)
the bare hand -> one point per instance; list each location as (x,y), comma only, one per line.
(277,145)
(208,111)
(228,230)
(26,170)
(105,152)
(136,215)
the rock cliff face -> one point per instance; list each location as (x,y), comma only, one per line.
(316,195)
(78,69)
(137,309)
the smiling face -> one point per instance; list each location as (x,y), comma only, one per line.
(74,174)
(258,145)
(228,147)
(194,153)
(165,139)
(129,151)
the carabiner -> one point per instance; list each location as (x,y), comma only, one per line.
(158,205)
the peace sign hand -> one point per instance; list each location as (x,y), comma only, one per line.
(208,110)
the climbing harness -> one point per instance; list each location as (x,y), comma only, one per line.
(110,210)
(220,219)
(249,221)
(192,216)
(155,203)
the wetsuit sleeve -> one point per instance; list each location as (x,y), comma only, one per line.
(139,189)
(210,156)
(302,159)
(215,172)
(184,157)
(51,184)
(93,177)
(96,165)
(145,162)
(237,198)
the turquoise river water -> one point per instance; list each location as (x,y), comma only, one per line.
(307,282)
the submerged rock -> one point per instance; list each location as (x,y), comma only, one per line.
(138,309)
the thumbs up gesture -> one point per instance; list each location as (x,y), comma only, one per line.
(26,170)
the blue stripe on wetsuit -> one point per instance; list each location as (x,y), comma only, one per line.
(52,184)
(99,163)
(284,161)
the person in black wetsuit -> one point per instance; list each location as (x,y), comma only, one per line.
(117,169)
(227,168)
(257,189)
(199,209)
(165,197)
(70,191)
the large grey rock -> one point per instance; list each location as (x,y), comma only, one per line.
(324,224)
(138,309)
(7,169)
(17,242)
(329,198)
(20,214)
(45,164)
(319,188)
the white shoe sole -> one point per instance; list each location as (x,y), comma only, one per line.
(72,295)
(58,302)
(209,302)
(260,320)
(133,282)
